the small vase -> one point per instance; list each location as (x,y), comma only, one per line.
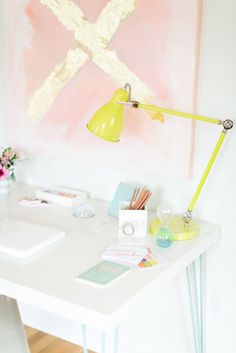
(4,186)
(164,237)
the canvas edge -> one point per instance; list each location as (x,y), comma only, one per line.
(195,86)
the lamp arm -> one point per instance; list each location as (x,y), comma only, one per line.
(175,112)
(227,125)
(206,172)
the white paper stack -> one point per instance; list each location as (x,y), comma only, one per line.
(124,253)
(138,256)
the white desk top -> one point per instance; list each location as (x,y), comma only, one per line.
(47,279)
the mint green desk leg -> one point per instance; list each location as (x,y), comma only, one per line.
(195,281)
(192,302)
(103,343)
(112,346)
(84,335)
(202,302)
(116,341)
(106,347)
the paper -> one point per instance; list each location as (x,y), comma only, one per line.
(103,273)
(123,192)
(136,256)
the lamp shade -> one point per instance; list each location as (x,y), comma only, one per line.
(108,121)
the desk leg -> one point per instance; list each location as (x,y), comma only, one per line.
(195,280)
(109,341)
(84,335)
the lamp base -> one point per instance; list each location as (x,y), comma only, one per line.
(179,229)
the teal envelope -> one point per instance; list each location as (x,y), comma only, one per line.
(123,192)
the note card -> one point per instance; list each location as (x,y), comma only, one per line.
(103,273)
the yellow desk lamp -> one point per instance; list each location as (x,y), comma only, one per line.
(108,123)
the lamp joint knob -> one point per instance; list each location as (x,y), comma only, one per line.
(135,104)
(228,124)
(187,217)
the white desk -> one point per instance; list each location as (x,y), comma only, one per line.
(47,279)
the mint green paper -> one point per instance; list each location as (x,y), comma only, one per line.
(104,272)
(123,192)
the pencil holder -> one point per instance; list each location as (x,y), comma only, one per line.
(132,223)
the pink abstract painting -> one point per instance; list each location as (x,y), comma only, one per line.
(155,40)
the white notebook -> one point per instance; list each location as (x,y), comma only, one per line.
(21,239)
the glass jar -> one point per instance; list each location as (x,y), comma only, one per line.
(4,186)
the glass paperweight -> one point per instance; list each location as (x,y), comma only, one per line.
(83,209)
(164,235)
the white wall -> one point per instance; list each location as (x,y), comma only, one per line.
(2,93)
(217,97)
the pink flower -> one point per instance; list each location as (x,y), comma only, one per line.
(3,173)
